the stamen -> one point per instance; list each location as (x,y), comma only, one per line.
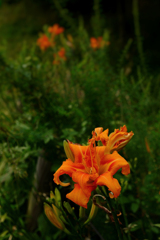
(83,160)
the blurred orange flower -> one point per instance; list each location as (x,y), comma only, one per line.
(89,168)
(95,42)
(59,55)
(56,29)
(43,42)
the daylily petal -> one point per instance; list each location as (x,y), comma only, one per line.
(85,181)
(104,158)
(112,183)
(98,131)
(68,167)
(103,137)
(113,163)
(78,151)
(78,196)
(117,164)
(123,129)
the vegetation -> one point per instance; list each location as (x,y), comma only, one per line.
(63,91)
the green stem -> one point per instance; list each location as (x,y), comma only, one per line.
(116,221)
(125,220)
(78,234)
(81,212)
(138,34)
(114,216)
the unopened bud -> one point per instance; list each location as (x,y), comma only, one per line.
(58,197)
(68,151)
(55,217)
(51,215)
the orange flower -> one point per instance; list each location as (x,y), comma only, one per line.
(116,140)
(60,55)
(95,43)
(56,29)
(91,167)
(43,42)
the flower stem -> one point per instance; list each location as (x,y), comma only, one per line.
(125,219)
(114,215)
(116,220)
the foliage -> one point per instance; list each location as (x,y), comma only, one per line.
(44,103)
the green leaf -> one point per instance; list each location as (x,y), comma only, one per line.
(157,225)
(3,234)
(56,235)
(155,230)
(4,217)
(5,177)
(134,207)
(48,135)
(69,209)
(133,226)
(124,200)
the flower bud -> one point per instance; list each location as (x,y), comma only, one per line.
(52,216)
(68,151)
(92,213)
(54,213)
(58,197)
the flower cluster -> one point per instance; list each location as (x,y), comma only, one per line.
(55,40)
(46,41)
(91,166)
(54,213)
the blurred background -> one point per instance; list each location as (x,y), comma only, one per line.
(99,67)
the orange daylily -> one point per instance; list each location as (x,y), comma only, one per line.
(95,42)
(116,140)
(56,29)
(60,55)
(91,168)
(43,42)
